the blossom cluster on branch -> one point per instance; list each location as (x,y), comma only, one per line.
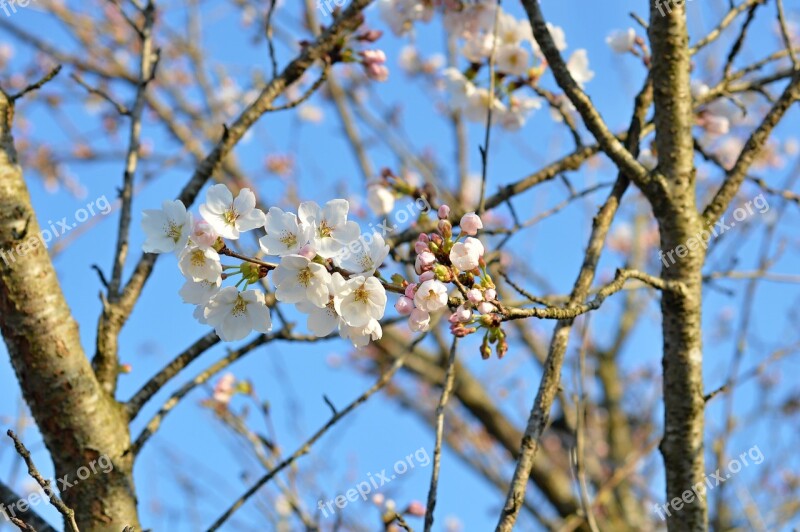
(326,267)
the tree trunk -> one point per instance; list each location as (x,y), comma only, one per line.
(80,423)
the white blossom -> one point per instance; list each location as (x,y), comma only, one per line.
(431,296)
(331,230)
(229,217)
(167,229)
(622,41)
(578,66)
(466,255)
(363,299)
(200,264)
(361,336)
(380,198)
(298,279)
(285,235)
(512,59)
(364,255)
(235,314)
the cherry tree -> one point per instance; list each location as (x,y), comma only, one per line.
(421,268)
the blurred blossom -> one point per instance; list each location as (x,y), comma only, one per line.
(281,165)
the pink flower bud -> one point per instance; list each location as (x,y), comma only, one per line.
(423,237)
(490,294)
(373,57)
(426,276)
(471,223)
(411,290)
(461,315)
(419,320)
(404,306)
(377,72)
(475,295)
(203,234)
(426,258)
(416,509)
(370,35)
(420,247)
(444,212)
(308,252)
(485,308)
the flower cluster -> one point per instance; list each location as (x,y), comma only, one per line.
(485,30)
(326,268)
(442,257)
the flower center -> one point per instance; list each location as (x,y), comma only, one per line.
(366,262)
(239,308)
(230,216)
(288,239)
(362,294)
(174,231)
(324,230)
(198,258)
(304,276)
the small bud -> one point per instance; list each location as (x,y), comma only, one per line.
(444,212)
(445,229)
(416,509)
(490,294)
(404,306)
(251,272)
(471,223)
(442,273)
(411,289)
(308,252)
(475,295)
(426,276)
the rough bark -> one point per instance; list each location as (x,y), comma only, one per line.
(78,420)
(679,223)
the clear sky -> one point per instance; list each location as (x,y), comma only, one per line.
(192,447)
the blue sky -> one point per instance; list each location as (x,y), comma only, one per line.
(293,378)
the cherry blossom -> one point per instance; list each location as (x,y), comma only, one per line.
(365,255)
(200,264)
(235,314)
(578,66)
(419,320)
(361,336)
(285,234)
(298,279)
(364,300)
(431,296)
(228,216)
(168,229)
(331,230)
(622,41)
(380,198)
(471,223)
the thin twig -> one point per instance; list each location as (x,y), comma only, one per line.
(63,509)
(447,388)
(487,137)
(36,86)
(306,447)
